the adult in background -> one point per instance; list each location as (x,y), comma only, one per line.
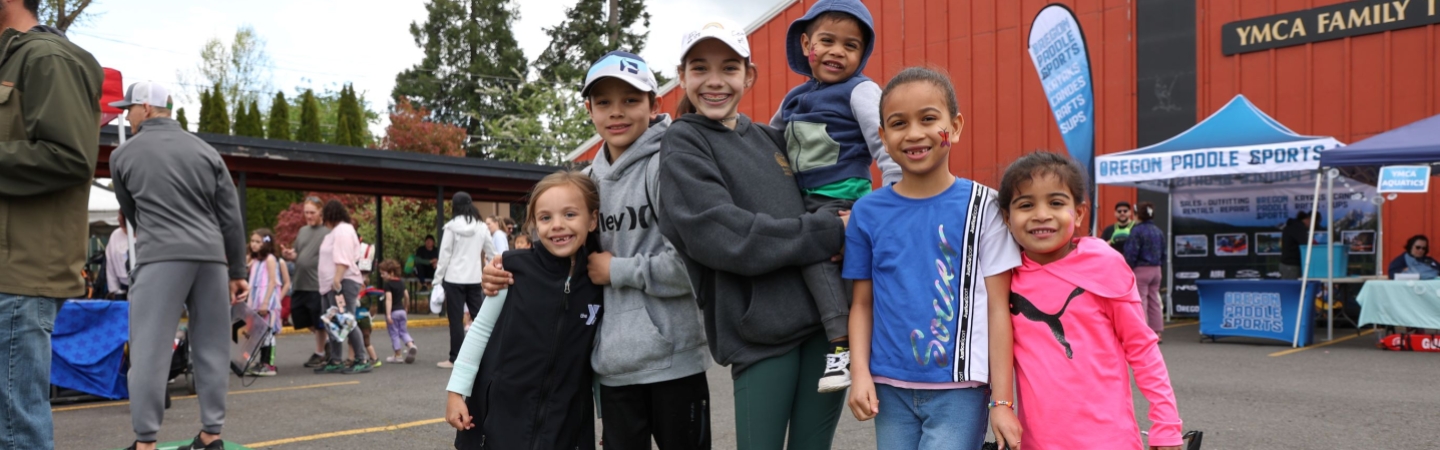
(1416,259)
(189,255)
(305,310)
(498,237)
(425,258)
(117,259)
(1118,232)
(340,287)
(1295,235)
(1145,251)
(463,252)
(48,148)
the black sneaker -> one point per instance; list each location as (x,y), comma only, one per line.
(197,444)
(316,360)
(358,367)
(330,367)
(837,371)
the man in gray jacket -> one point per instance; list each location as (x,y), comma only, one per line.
(190,244)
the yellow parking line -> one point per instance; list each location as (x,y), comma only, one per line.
(1322,344)
(314,437)
(183,397)
(1181,324)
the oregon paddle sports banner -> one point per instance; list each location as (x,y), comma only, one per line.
(1057,47)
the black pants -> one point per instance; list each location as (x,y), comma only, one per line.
(457,297)
(675,412)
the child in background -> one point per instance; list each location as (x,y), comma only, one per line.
(522,241)
(533,389)
(393,310)
(1079,323)
(267,286)
(831,124)
(931,262)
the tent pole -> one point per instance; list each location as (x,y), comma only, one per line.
(1330,259)
(1379,238)
(1310,251)
(1169,258)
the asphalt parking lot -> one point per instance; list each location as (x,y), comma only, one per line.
(1243,394)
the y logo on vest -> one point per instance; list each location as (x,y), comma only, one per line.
(592,315)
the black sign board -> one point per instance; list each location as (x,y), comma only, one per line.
(1325,23)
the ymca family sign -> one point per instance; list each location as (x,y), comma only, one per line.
(1325,23)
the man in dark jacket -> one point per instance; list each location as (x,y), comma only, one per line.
(49,140)
(1294,236)
(189,250)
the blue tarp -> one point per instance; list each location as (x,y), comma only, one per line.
(1238,139)
(88,346)
(1416,143)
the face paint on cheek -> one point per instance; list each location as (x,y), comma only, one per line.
(945,138)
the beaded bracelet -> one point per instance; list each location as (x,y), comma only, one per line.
(1003,403)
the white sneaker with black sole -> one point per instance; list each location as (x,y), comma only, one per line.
(837,371)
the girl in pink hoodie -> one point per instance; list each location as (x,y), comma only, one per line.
(1078,320)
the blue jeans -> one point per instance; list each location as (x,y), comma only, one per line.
(916,419)
(25,326)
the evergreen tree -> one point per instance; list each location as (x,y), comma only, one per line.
(220,123)
(586,34)
(472,62)
(353,125)
(207,112)
(257,124)
(309,118)
(180,117)
(242,122)
(279,127)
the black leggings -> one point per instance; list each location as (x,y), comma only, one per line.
(457,297)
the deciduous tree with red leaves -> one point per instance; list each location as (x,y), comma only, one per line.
(410,131)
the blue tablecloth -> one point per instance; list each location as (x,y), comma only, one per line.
(1264,309)
(88,347)
(1409,303)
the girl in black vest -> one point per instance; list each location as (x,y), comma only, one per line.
(531,390)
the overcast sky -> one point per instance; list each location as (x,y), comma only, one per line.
(320,43)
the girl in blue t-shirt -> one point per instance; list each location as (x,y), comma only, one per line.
(930,329)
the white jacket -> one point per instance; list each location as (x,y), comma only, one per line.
(462,252)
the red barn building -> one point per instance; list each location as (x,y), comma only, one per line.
(1158,67)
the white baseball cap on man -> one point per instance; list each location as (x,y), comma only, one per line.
(145,93)
(726,31)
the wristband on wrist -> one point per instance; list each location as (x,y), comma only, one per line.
(1003,403)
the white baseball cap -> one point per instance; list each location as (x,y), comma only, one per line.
(726,31)
(145,93)
(623,65)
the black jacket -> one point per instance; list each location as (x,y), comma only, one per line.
(1292,238)
(533,387)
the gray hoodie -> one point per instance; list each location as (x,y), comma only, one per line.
(731,208)
(652,330)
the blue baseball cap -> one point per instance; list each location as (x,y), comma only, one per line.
(623,65)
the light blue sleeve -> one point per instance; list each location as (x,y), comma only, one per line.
(865,103)
(467,363)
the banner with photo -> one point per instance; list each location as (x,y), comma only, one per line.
(1235,232)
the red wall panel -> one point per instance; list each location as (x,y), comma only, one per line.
(1350,88)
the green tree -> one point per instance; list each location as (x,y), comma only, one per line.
(279,126)
(207,111)
(588,32)
(470,56)
(350,109)
(262,206)
(328,101)
(180,117)
(257,123)
(219,122)
(242,121)
(548,123)
(241,68)
(309,130)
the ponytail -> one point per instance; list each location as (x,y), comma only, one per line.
(685,107)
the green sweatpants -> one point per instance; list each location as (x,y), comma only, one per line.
(779,393)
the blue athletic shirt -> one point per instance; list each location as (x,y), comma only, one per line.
(928,259)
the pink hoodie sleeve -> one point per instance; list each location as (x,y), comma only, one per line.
(1143,353)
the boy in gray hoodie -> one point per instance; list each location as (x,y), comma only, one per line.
(650,355)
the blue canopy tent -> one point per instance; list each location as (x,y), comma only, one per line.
(1416,143)
(1237,145)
